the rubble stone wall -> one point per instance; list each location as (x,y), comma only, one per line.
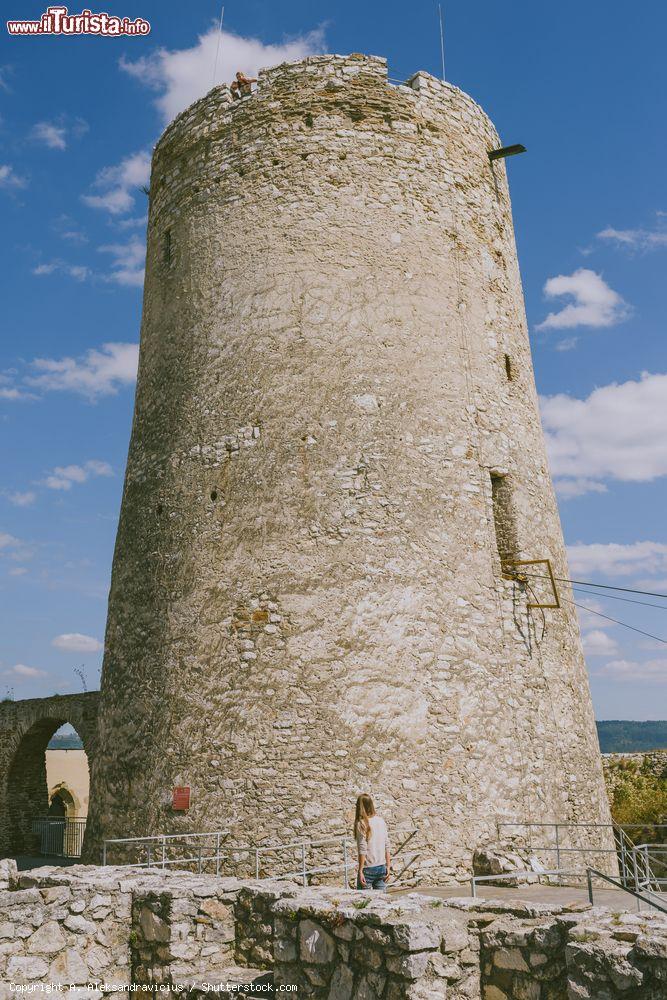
(653,762)
(336,434)
(112,927)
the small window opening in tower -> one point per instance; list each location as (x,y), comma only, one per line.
(504,519)
(166,247)
(509,371)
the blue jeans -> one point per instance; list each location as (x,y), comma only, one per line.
(375,878)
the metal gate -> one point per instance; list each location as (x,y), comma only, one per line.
(60,837)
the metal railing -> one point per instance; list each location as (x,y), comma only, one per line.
(60,836)
(332,855)
(179,850)
(634,863)
(529,872)
(346,864)
(642,897)
(646,896)
(568,844)
(650,866)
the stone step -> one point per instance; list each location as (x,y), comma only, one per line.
(232,980)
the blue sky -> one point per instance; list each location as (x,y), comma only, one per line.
(582,86)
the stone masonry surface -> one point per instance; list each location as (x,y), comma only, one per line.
(652,762)
(335,396)
(112,927)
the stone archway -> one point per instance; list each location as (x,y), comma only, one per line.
(57,805)
(27,788)
(26,728)
(63,801)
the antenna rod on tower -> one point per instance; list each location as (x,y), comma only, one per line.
(442,42)
(217,48)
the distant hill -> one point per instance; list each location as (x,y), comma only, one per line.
(621,736)
(72,742)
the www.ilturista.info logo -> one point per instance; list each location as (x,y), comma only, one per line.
(57,21)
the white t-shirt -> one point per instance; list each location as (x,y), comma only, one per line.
(376,845)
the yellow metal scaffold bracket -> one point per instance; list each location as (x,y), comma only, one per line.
(510,574)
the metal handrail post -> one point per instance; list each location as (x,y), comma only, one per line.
(303,863)
(164,853)
(590,886)
(473,888)
(257,862)
(557,848)
(104,852)
(199,857)
(148,851)
(634,866)
(345,864)
(624,860)
(217,854)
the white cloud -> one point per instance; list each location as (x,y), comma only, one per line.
(618,432)
(19,499)
(14,549)
(595,303)
(127,267)
(568,488)
(74,236)
(132,222)
(21,671)
(648,671)
(17,571)
(567,344)
(55,134)
(63,477)
(183,75)
(52,135)
(635,239)
(120,184)
(77,271)
(598,643)
(68,229)
(96,373)
(658,586)
(9,179)
(612,559)
(586,613)
(75,642)
(13,394)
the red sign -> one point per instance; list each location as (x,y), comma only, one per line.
(180,799)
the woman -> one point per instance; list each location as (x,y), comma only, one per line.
(373,846)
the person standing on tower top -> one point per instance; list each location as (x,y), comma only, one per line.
(242,85)
(373,846)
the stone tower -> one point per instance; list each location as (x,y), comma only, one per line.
(336,438)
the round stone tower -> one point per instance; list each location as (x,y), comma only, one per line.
(336,448)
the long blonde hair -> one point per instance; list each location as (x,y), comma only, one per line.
(364,810)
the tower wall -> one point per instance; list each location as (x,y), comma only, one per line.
(335,395)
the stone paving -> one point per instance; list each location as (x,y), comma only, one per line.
(614,899)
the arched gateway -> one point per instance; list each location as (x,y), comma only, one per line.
(25,730)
